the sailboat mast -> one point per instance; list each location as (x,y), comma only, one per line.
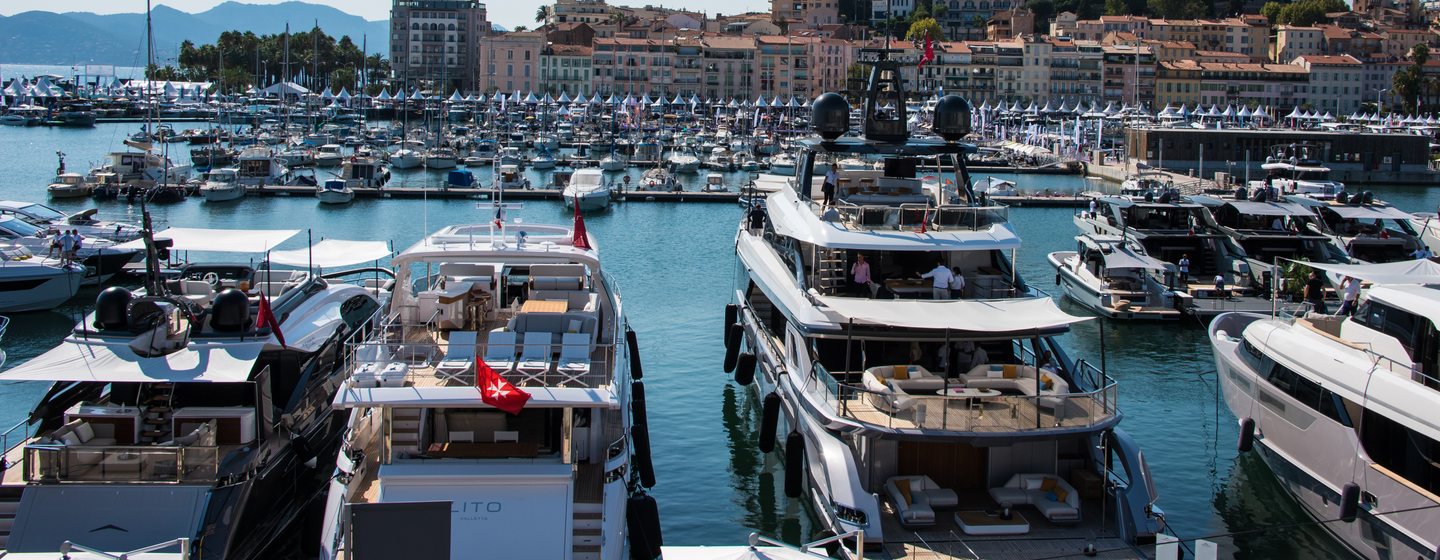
(285,77)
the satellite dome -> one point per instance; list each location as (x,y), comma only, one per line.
(830,115)
(952,117)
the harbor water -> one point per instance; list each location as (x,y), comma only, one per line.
(674,264)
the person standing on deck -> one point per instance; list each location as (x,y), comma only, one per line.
(1184,270)
(941,277)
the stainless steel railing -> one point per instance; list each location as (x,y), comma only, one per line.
(53,463)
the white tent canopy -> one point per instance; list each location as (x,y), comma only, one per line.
(82,360)
(329,253)
(988,316)
(1419,271)
(219,240)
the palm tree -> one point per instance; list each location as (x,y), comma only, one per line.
(542,13)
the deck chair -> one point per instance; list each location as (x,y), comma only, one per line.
(459,356)
(535,355)
(574,361)
(500,351)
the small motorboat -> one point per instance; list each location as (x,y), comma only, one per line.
(69,185)
(440,158)
(995,186)
(223,185)
(329,155)
(613,162)
(714,182)
(335,191)
(587,188)
(658,179)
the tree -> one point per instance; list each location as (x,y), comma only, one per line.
(1116,8)
(542,13)
(521,28)
(925,28)
(1420,54)
(1407,86)
(940,9)
(1271,11)
(342,78)
(1178,9)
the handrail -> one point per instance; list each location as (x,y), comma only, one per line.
(183,542)
(24,427)
(55,463)
(421,357)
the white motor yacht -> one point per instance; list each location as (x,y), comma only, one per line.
(782,164)
(1116,280)
(542,160)
(1296,169)
(509,177)
(1367,229)
(222,185)
(546,447)
(335,191)
(1268,232)
(1342,408)
(102,257)
(329,155)
(900,410)
(178,415)
(613,162)
(683,162)
(995,186)
(658,179)
(68,185)
(28,283)
(588,189)
(714,182)
(296,156)
(363,172)
(261,166)
(48,218)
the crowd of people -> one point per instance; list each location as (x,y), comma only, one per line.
(67,244)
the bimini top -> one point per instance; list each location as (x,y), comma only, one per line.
(1124,202)
(1028,315)
(78,359)
(1252,208)
(911,147)
(329,253)
(792,218)
(550,241)
(1353,212)
(1419,271)
(219,240)
(1119,255)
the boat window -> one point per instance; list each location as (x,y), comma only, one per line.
(19,228)
(1408,454)
(355,311)
(1309,393)
(41,211)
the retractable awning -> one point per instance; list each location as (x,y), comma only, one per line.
(1369,212)
(329,253)
(991,316)
(1420,271)
(115,362)
(219,240)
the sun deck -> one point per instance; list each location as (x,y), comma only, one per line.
(947,540)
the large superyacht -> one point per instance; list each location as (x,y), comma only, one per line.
(436,463)
(193,415)
(1342,408)
(946,421)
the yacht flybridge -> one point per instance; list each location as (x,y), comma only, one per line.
(1342,408)
(178,413)
(476,303)
(925,419)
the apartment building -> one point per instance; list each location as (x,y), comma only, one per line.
(432,40)
(566,69)
(1187,82)
(509,62)
(1129,74)
(625,66)
(805,14)
(728,67)
(1337,82)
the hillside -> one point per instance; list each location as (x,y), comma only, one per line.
(48,38)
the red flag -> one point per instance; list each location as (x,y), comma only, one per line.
(581,241)
(496,391)
(929,51)
(266,318)
(924,221)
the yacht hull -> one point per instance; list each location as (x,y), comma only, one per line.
(42,290)
(1092,297)
(1312,463)
(223,194)
(336,197)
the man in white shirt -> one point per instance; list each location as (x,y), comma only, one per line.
(940,276)
(1350,295)
(67,245)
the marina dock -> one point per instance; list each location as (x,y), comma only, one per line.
(517,194)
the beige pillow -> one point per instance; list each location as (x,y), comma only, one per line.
(70,439)
(85,431)
(902,373)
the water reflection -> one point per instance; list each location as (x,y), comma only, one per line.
(1265,520)
(764,507)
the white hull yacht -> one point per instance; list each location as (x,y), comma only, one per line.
(1368,230)
(32,284)
(429,456)
(222,185)
(1342,409)
(334,191)
(1115,280)
(588,190)
(102,257)
(179,414)
(916,416)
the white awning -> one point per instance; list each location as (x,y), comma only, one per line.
(990,316)
(792,218)
(469,397)
(1369,212)
(1420,271)
(1270,208)
(219,240)
(92,360)
(329,253)
(1124,257)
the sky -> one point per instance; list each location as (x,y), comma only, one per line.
(506,13)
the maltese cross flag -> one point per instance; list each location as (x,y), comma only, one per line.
(496,391)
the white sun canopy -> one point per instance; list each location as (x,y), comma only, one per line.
(219,240)
(991,316)
(1269,208)
(332,253)
(115,362)
(1125,258)
(1420,271)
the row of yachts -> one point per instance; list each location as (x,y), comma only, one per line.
(485,384)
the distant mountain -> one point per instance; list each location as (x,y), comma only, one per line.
(49,38)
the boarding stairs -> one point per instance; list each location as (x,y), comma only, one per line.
(587,531)
(830,276)
(159,411)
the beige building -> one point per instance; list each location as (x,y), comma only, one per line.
(625,66)
(579,11)
(432,40)
(1292,42)
(509,62)
(805,14)
(1337,83)
(566,69)
(728,67)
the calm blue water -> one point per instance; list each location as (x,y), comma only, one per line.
(674,264)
